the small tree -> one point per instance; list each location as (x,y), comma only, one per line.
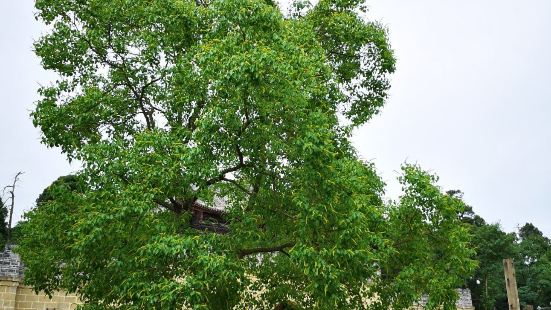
(10,191)
(171,102)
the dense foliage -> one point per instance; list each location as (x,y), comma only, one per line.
(534,267)
(488,285)
(171,102)
(3,224)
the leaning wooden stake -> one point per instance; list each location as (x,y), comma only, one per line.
(511,283)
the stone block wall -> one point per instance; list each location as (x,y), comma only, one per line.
(8,293)
(465,300)
(10,265)
(16,296)
(463,303)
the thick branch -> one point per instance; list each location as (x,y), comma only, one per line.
(177,206)
(169,206)
(195,115)
(280,248)
(234,182)
(223,173)
(239,154)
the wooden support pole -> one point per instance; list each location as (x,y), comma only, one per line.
(511,284)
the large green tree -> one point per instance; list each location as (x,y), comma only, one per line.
(170,102)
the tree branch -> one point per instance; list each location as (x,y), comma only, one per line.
(223,173)
(195,115)
(168,206)
(234,182)
(150,122)
(279,248)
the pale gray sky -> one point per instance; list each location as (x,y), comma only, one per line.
(469,101)
(20,76)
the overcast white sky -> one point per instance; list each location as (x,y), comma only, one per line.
(470,101)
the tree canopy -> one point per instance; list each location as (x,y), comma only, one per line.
(171,103)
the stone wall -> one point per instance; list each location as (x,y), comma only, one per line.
(10,265)
(16,296)
(463,303)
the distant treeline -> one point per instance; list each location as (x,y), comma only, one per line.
(529,248)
